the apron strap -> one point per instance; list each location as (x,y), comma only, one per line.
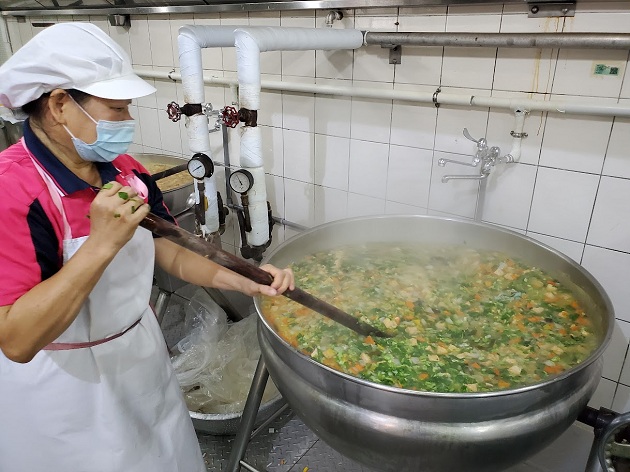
(55,192)
(70,346)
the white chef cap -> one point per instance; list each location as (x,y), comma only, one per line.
(69,56)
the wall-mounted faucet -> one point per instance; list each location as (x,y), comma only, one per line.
(486,156)
(332,16)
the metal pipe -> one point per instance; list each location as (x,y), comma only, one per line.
(438,98)
(277,219)
(503,40)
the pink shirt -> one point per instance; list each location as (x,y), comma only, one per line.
(31,228)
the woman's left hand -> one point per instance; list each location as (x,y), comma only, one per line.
(282,280)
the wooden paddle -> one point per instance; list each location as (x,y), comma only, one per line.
(202,247)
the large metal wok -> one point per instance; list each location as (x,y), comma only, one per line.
(396,430)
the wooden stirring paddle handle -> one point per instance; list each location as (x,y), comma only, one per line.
(200,246)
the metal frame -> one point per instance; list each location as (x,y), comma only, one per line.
(183,6)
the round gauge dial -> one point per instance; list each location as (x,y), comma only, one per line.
(241,180)
(200,166)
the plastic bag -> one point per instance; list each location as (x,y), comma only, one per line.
(216,360)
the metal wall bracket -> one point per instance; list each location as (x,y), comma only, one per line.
(550,9)
(395,52)
(120,20)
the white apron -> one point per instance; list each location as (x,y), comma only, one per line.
(114,406)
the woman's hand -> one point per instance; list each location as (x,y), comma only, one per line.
(282,280)
(115,214)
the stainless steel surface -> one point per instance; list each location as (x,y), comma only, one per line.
(149,7)
(10,133)
(173,328)
(608,447)
(178,199)
(393,429)
(504,40)
(287,445)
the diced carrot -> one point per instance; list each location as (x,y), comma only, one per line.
(553,369)
(423,376)
(582,321)
(496,371)
(369,340)
(355,369)
(575,304)
(503,384)
(409,304)
(474,365)
(477,296)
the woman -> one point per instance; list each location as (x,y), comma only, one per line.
(85,379)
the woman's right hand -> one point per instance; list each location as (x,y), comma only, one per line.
(115,214)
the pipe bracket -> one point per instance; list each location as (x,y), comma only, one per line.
(435,97)
(549,10)
(395,53)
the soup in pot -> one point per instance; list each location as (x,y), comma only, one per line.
(464,320)
(172,181)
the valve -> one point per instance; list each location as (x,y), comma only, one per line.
(229,116)
(174,112)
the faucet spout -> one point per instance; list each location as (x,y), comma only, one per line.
(442,162)
(483,176)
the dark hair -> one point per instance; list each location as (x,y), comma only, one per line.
(35,108)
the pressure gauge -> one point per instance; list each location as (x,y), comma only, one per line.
(200,166)
(241,180)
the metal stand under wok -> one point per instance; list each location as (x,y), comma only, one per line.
(248,418)
(610,451)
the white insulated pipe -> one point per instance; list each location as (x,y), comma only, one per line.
(525,104)
(190,41)
(250,43)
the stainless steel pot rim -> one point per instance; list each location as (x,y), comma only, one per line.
(501,393)
(174,189)
(230,416)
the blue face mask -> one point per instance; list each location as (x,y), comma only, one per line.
(113,138)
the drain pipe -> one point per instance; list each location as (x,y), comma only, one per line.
(190,41)
(517,137)
(249,43)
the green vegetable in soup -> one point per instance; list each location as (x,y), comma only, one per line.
(464,320)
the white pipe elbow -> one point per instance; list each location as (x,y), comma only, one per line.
(519,123)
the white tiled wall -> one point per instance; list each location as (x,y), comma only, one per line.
(333,157)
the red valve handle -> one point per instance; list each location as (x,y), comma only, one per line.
(174,111)
(229,116)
